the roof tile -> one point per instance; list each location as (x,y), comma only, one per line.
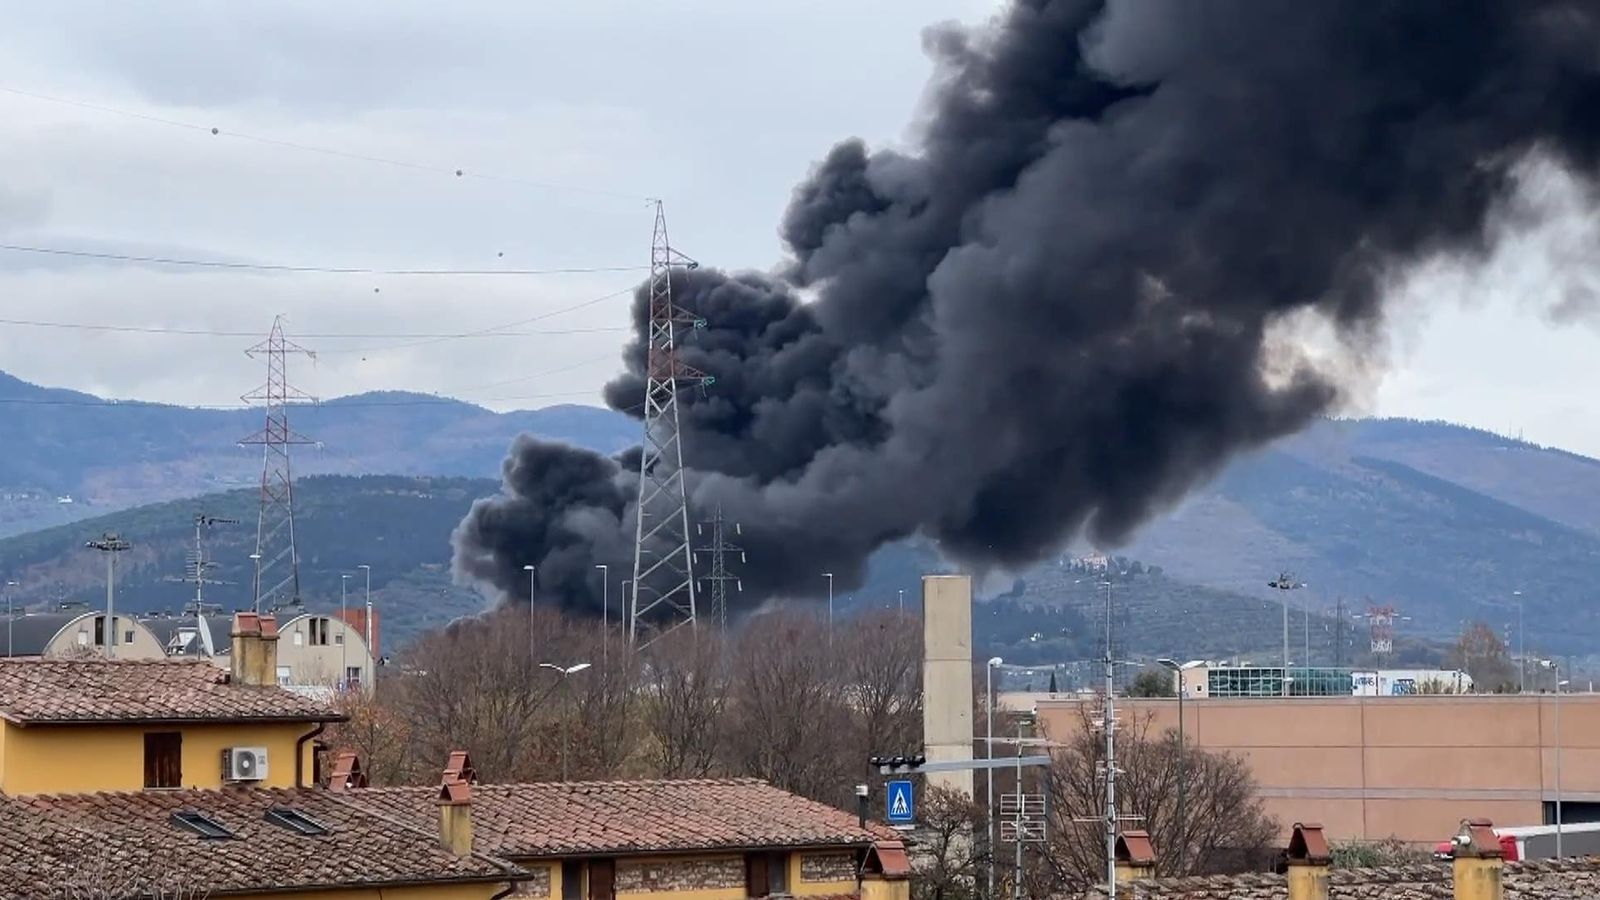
(555,819)
(58,691)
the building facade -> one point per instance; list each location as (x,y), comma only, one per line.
(76,632)
(1374,767)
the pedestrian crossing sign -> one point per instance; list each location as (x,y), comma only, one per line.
(901,803)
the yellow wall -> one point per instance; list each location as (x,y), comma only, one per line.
(433,892)
(800,888)
(53,759)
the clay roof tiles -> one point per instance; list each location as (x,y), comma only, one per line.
(131,838)
(71,691)
(555,819)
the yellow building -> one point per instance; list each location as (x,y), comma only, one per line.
(175,778)
(705,839)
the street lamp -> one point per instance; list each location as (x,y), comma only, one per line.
(532,589)
(344,629)
(902,593)
(988,753)
(1183,763)
(605,614)
(1522,647)
(564,671)
(829,576)
(1285,582)
(372,653)
(9,616)
(256,559)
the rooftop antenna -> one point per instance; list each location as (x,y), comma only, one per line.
(195,569)
(663,564)
(277,580)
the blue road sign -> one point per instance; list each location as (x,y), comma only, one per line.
(901,802)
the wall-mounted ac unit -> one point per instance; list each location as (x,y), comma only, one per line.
(244,764)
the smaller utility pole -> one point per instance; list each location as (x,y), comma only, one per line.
(110,544)
(719,549)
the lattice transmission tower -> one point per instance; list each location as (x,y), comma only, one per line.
(719,549)
(663,598)
(277,576)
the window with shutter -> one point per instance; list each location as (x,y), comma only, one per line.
(163,759)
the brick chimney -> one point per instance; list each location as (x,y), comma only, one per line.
(886,872)
(455,804)
(254,657)
(347,773)
(1478,862)
(1308,858)
(1136,856)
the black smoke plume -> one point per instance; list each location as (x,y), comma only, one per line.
(1063,310)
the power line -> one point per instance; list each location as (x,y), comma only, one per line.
(301,269)
(342,335)
(486,331)
(225,407)
(323,151)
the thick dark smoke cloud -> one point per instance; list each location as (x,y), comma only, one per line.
(1059,313)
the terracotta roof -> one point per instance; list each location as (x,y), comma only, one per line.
(61,691)
(131,837)
(555,819)
(1569,879)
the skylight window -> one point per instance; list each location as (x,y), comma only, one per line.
(295,821)
(201,824)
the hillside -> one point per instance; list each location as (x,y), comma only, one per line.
(105,457)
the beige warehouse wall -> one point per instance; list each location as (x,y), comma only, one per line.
(1372,767)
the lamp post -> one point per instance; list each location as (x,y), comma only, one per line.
(564,671)
(255,558)
(110,545)
(532,589)
(605,614)
(988,753)
(372,652)
(902,601)
(1285,582)
(9,616)
(829,576)
(1522,647)
(1559,685)
(344,628)
(1183,762)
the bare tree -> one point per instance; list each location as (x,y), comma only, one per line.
(1222,818)
(381,735)
(1483,656)
(788,701)
(948,858)
(685,691)
(881,662)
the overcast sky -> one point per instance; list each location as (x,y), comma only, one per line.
(718,107)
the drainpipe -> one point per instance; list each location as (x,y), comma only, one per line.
(300,753)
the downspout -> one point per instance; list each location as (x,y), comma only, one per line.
(300,753)
(510,887)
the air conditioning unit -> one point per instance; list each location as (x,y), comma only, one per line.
(244,764)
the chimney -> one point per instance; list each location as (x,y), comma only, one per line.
(1136,856)
(347,774)
(254,657)
(1308,858)
(455,817)
(1478,861)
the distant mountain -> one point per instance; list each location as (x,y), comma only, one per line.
(1443,522)
(398,525)
(66,446)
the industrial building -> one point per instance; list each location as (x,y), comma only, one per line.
(1370,767)
(1199,680)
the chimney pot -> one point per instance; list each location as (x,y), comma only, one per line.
(254,657)
(1308,857)
(455,817)
(1478,862)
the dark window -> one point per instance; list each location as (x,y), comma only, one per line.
(571,880)
(99,631)
(766,874)
(127,637)
(163,759)
(198,823)
(602,880)
(295,821)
